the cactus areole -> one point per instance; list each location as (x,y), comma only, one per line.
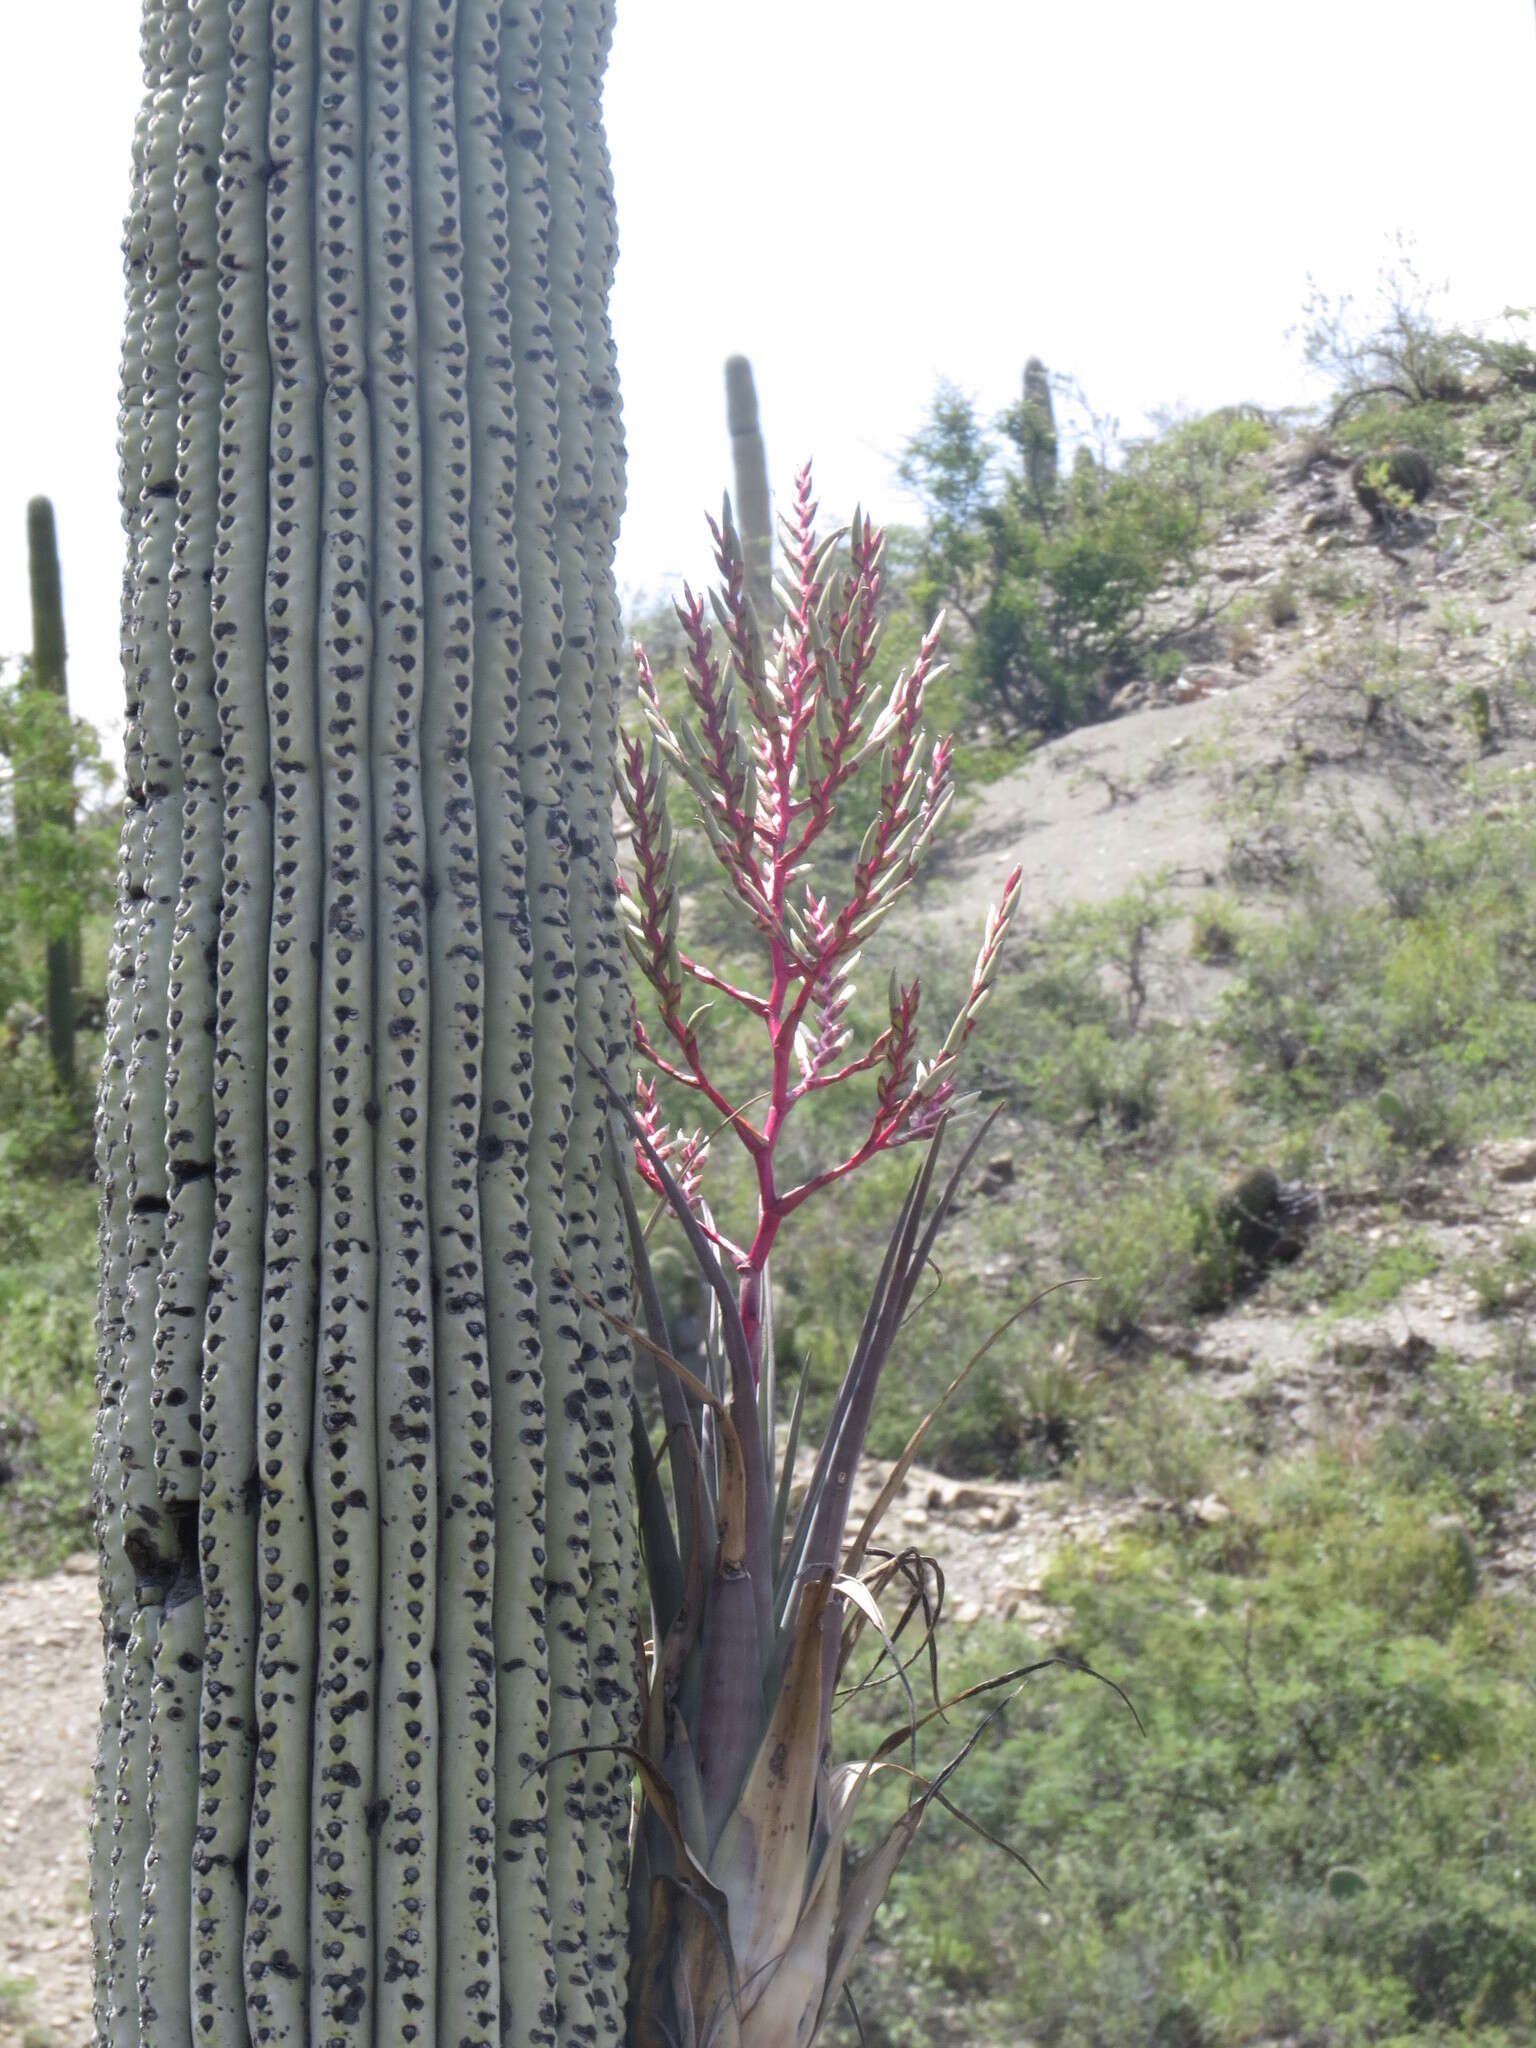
(362,1459)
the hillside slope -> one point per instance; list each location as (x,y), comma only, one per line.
(1229,885)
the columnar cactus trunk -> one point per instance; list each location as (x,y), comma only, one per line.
(365,1529)
(48,673)
(1039,424)
(749,464)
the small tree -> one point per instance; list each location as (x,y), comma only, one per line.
(1395,350)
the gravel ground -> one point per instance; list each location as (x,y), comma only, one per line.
(50,1679)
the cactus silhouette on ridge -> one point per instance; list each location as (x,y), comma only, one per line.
(49,673)
(749,465)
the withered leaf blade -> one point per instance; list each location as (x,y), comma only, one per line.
(760,1862)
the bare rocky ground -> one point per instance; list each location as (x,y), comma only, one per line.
(1165,788)
(49,1681)
(1317,1370)
(1161,790)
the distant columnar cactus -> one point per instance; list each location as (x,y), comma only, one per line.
(364,1525)
(1039,420)
(749,463)
(48,673)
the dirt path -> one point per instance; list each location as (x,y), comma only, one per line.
(50,1677)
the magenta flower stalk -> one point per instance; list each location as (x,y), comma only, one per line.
(774,738)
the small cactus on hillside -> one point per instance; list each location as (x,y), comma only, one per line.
(1038,422)
(48,673)
(1391,484)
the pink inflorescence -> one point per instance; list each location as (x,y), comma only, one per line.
(773,738)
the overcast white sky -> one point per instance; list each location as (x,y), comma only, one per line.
(862,195)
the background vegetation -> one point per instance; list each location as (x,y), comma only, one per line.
(1324,1831)
(54,877)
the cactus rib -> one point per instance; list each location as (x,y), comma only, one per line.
(276,1941)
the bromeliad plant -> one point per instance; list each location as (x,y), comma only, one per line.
(742,1929)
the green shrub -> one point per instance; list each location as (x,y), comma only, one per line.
(1461,1440)
(47,1372)
(1282,607)
(1437,430)
(1508,356)
(1509,1279)
(1374,1278)
(1150,1252)
(1114,1082)
(1055,592)
(1159,1434)
(1324,1831)
(1215,931)
(1058,1410)
(1411,1034)
(42,1129)
(58,837)
(1412,865)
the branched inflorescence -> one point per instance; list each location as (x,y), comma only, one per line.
(774,736)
